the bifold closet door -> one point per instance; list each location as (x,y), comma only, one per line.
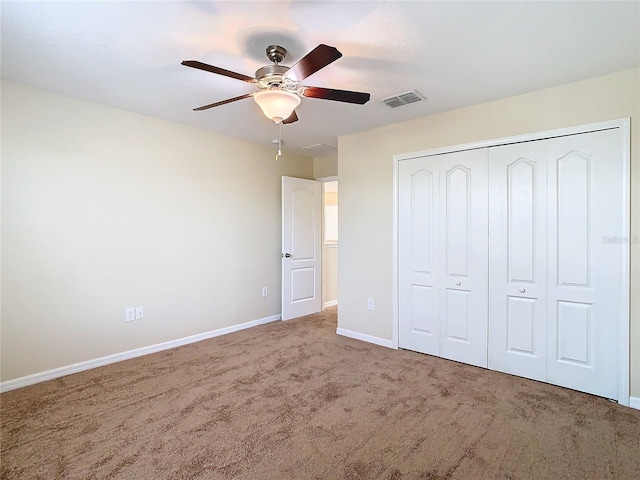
(555,280)
(585,270)
(518,259)
(512,257)
(442,255)
(463,253)
(418,263)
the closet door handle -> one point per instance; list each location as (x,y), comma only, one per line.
(458,283)
(522,290)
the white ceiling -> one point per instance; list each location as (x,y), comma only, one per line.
(127,54)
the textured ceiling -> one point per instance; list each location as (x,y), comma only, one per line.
(127,55)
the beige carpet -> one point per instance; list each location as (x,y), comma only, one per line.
(292,400)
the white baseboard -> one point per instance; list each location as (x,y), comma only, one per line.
(118,357)
(383,342)
(634,402)
(331,303)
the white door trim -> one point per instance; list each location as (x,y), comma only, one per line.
(624,321)
(323,181)
(625,326)
(333,178)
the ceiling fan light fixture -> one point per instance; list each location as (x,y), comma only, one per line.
(277,104)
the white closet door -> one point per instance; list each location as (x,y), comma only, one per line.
(585,265)
(518,259)
(463,254)
(418,265)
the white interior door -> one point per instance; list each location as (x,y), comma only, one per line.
(518,259)
(301,247)
(418,264)
(585,265)
(463,256)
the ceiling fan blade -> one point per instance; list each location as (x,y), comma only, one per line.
(318,58)
(223,102)
(337,95)
(291,118)
(220,71)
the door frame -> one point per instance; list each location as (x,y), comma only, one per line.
(323,180)
(624,321)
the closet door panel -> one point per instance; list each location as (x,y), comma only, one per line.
(457,315)
(585,270)
(522,323)
(419,327)
(463,253)
(518,259)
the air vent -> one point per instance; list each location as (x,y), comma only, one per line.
(320,149)
(401,99)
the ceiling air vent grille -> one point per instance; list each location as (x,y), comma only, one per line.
(401,99)
(320,149)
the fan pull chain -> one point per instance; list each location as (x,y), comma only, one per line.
(279,154)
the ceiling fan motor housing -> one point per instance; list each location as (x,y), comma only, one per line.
(271,76)
(276,53)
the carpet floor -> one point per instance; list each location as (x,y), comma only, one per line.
(293,400)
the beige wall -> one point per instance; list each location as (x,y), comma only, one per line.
(104,209)
(366,185)
(326,166)
(330,274)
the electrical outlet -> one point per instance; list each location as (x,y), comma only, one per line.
(370,303)
(139,313)
(130,314)
(264,291)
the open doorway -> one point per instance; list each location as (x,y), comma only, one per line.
(329,243)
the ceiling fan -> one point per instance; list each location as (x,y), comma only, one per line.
(280,88)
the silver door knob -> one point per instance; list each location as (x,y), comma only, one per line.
(286,255)
(522,290)
(458,283)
